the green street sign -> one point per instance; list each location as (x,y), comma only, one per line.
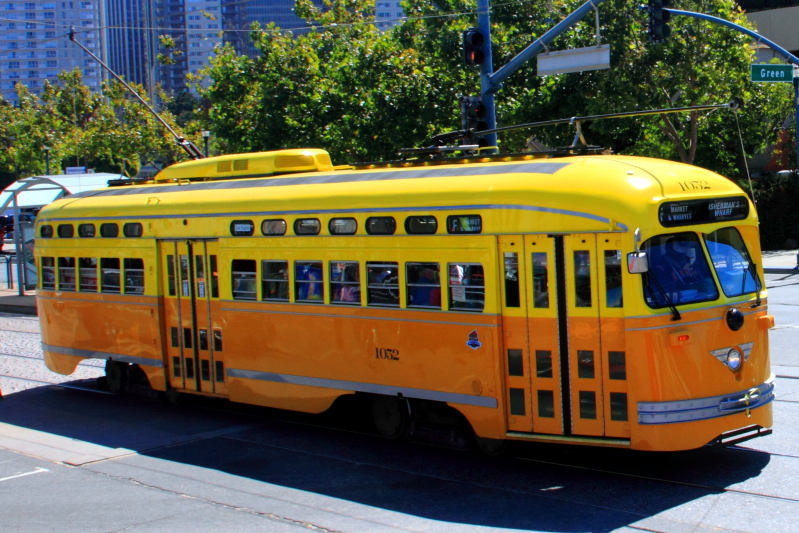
(772,73)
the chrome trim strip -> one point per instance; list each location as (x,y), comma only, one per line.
(423,394)
(654,413)
(89,354)
(609,441)
(474,207)
(680,324)
(103,301)
(330,315)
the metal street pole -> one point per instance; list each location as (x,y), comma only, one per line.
(490,81)
(206,134)
(487,69)
(796,111)
(47,160)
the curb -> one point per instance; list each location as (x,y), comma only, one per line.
(19,309)
(781,270)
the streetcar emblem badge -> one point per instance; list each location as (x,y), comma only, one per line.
(473,342)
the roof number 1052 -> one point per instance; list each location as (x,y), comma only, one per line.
(696,185)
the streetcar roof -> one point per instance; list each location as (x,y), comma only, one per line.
(607,185)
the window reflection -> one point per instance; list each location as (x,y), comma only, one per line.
(731,261)
(678,271)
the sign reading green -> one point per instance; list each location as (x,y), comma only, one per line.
(772,73)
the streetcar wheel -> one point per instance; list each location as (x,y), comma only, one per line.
(492,447)
(389,416)
(116,376)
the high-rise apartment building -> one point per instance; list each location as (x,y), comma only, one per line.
(388,14)
(131,45)
(34,46)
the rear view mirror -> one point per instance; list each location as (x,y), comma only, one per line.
(637,263)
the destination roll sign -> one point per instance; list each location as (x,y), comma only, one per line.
(687,212)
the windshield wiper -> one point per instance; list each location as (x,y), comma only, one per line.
(758,285)
(675,315)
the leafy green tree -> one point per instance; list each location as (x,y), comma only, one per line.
(107,132)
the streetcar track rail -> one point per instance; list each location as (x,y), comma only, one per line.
(85,363)
(719,490)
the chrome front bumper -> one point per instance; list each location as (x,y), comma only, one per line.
(704,408)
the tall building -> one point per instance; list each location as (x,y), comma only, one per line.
(388,14)
(775,20)
(131,42)
(34,46)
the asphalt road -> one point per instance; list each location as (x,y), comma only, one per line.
(77,460)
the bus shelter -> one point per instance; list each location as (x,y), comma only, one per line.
(25,197)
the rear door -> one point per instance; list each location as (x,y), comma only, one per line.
(194,327)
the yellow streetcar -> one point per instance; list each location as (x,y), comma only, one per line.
(598,300)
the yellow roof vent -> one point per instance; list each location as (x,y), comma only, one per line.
(256,165)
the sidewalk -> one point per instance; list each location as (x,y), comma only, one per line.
(781,262)
(11,302)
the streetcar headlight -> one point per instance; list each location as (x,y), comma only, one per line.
(734,360)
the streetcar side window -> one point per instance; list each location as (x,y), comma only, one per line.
(466,287)
(66,231)
(86,230)
(275,282)
(342,226)
(244,279)
(423,284)
(540,280)
(134,276)
(214,278)
(512,298)
(613,294)
(66,273)
(582,278)
(87,270)
(382,288)
(345,282)
(170,269)
(109,275)
(309,282)
(109,230)
(48,273)
(421,225)
(46,232)
(381,225)
(307,226)
(133,229)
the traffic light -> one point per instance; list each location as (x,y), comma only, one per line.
(473,114)
(473,53)
(659,17)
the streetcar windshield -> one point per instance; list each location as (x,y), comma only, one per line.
(731,261)
(678,271)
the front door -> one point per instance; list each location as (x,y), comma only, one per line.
(566,371)
(194,329)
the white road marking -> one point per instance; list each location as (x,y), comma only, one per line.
(37,471)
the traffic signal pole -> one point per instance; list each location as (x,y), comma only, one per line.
(771,44)
(486,71)
(490,81)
